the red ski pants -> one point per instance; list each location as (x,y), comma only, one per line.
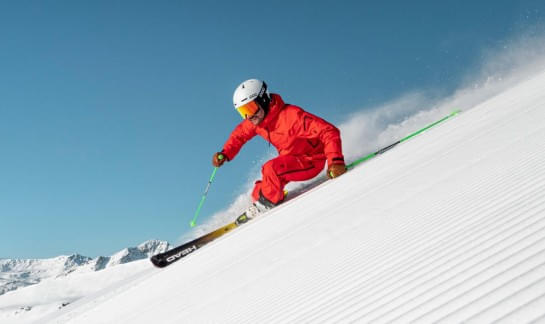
(283,169)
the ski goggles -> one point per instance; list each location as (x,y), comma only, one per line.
(248,110)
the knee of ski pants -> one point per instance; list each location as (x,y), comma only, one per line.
(283,169)
(289,168)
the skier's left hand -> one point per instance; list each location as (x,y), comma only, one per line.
(336,170)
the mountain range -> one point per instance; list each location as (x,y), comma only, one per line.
(18,273)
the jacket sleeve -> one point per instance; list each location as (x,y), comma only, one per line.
(240,135)
(315,127)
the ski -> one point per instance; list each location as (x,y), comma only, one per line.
(164,259)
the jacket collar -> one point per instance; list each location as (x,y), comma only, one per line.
(276,105)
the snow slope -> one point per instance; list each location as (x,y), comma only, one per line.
(447,227)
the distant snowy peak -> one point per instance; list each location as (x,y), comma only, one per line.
(17,273)
(48,266)
(144,250)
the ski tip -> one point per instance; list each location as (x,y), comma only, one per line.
(192,224)
(158,262)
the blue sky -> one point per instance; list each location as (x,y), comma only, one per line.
(110,111)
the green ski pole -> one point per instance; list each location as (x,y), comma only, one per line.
(384,149)
(194,220)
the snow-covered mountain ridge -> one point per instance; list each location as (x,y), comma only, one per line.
(17,273)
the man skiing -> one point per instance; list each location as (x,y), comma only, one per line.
(304,142)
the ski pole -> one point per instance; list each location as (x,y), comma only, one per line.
(384,149)
(193,222)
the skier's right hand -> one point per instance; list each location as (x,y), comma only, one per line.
(218,159)
(336,170)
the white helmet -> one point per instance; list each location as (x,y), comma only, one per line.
(251,90)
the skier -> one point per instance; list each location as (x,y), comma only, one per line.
(304,143)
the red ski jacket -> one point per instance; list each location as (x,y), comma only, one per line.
(292,131)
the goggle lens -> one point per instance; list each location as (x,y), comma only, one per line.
(248,110)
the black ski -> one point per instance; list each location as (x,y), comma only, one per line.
(164,259)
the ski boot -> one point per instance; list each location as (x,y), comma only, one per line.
(256,208)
